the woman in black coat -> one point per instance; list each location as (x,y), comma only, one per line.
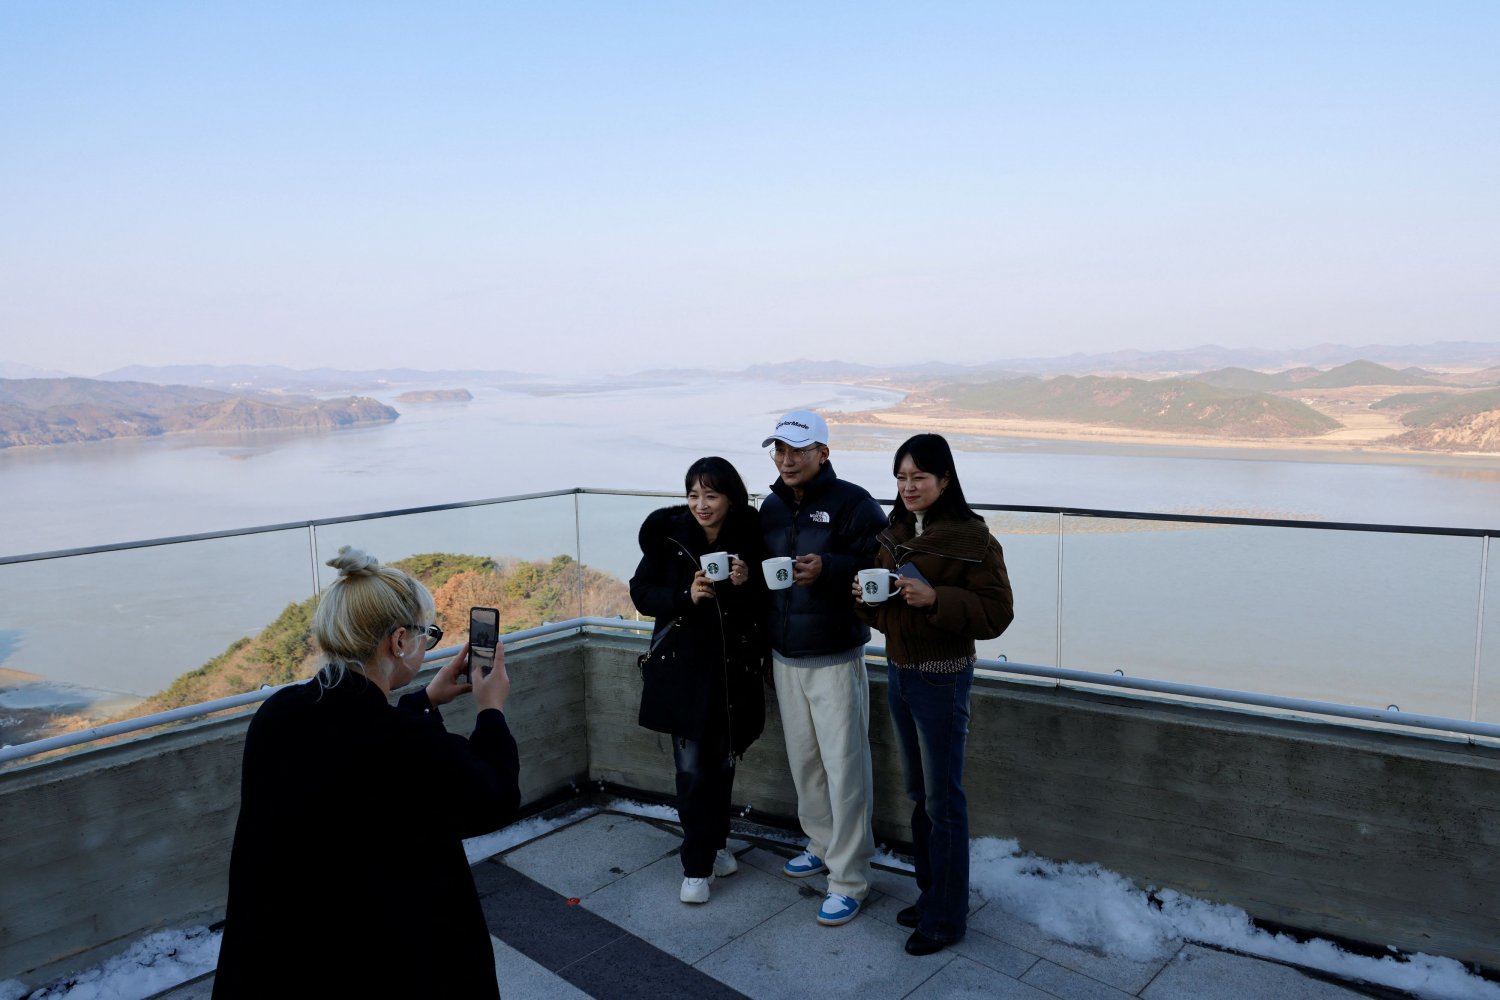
(703,675)
(353,810)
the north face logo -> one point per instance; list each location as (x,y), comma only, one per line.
(820,517)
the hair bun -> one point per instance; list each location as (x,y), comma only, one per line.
(354,562)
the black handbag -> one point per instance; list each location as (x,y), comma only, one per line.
(644,658)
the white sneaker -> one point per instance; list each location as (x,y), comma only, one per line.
(725,864)
(695,890)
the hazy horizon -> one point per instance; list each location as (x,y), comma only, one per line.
(1458,354)
(597,188)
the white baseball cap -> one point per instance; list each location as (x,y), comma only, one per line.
(799,429)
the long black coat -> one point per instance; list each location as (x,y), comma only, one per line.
(703,679)
(348,876)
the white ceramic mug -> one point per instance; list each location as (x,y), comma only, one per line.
(778,571)
(875,584)
(716,565)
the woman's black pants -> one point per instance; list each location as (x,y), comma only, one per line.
(705,785)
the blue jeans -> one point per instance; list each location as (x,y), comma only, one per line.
(931,715)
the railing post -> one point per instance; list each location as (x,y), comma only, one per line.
(1057,652)
(578,550)
(312,557)
(1484,572)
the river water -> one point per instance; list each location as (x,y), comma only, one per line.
(130,622)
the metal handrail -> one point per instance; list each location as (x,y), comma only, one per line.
(1131,515)
(1384,716)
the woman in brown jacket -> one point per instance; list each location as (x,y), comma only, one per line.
(952,590)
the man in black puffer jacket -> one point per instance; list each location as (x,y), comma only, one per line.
(829,527)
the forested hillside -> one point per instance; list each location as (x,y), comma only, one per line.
(45,411)
(1173,405)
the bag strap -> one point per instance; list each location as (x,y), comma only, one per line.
(662,635)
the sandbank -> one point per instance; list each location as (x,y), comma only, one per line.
(1363,439)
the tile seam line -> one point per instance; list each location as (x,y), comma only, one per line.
(732,940)
(1177,954)
(914,989)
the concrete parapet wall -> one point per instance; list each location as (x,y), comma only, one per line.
(1383,838)
(1379,837)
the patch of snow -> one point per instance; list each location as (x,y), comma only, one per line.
(490,844)
(633,808)
(1093,907)
(883,856)
(156,962)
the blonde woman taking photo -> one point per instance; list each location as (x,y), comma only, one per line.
(348,876)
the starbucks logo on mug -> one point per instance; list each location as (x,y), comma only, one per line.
(713,569)
(871,587)
(782,575)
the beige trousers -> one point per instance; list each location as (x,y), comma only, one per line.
(825,713)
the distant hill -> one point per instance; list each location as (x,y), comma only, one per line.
(1341,377)
(1367,373)
(14,369)
(72,410)
(1410,400)
(40,393)
(435,396)
(1170,405)
(1468,421)
(238,378)
(1453,407)
(1210,357)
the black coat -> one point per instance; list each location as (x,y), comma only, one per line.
(348,876)
(838,521)
(703,678)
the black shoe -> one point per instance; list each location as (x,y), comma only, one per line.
(921,944)
(909,917)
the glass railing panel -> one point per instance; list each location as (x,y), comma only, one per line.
(1030,545)
(1363,618)
(92,638)
(1487,686)
(519,556)
(609,527)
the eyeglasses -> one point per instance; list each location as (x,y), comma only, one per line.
(433,633)
(781,453)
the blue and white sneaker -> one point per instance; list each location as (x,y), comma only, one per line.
(837,910)
(805,864)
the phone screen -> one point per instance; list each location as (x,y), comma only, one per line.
(484,628)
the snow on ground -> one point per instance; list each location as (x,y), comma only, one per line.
(152,964)
(1093,907)
(1083,905)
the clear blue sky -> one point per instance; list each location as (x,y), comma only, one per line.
(552,186)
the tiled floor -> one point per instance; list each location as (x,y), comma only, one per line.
(592,909)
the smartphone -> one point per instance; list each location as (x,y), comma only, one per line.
(910,569)
(484,636)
